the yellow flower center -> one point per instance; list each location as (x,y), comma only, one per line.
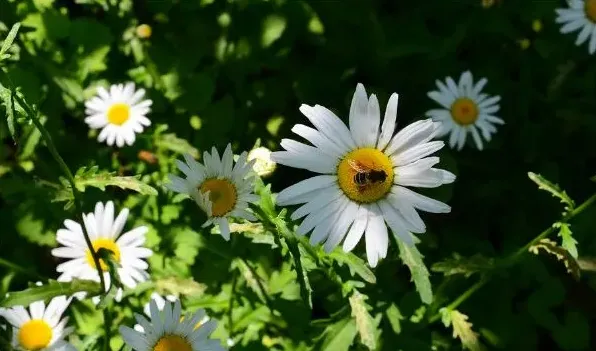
(590,9)
(118,114)
(35,335)
(464,111)
(107,244)
(365,175)
(222,194)
(172,343)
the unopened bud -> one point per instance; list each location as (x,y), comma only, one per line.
(263,165)
(144,31)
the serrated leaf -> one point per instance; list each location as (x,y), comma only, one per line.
(463,265)
(462,329)
(50,290)
(560,253)
(9,40)
(552,188)
(355,264)
(7,99)
(85,177)
(420,275)
(364,321)
(567,240)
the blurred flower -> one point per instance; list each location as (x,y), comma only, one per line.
(263,165)
(465,111)
(144,31)
(104,232)
(487,3)
(168,330)
(537,25)
(222,191)
(119,113)
(524,43)
(580,16)
(41,328)
(364,171)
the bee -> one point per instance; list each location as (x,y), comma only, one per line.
(366,175)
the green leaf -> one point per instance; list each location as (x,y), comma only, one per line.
(172,143)
(552,188)
(560,253)
(420,275)
(567,240)
(464,265)
(355,264)
(48,291)
(462,329)
(364,321)
(100,179)
(273,28)
(7,98)
(180,286)
(339,336)
(394,316)
(9,40)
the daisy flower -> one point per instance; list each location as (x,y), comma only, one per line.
(104,232)
(579,16)
(160,301)
(168,330)
(42,327)
(465,111)
(221,188)
(119,113)
(364,173)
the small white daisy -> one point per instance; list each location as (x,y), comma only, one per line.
(41,328)
(168,330)
(263,165)
(580,16)
(104,232)
(466,111)
(219,187)
(119,113)
(364,173)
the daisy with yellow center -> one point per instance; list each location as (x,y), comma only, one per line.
(466,110)
(169,330)
(221,188)
(579,16)
(365,170)
(119,113)
(105,232)
(42,328)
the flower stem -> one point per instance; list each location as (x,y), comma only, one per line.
(514,258)
(69,176)
(18,268)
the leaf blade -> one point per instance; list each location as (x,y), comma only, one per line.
(420,275)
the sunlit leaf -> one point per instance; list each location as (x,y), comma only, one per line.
(552,188)
(462,329)
(395,317)
(180,286)
(364,321)
(560,253)
(567,240)
(50,290)
(420,275)
(273,28)
(355,264)
(9,40)
(339,336)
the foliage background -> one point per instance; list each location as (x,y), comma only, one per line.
(237,71)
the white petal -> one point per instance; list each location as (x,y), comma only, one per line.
(388,127)
(357,229)
(417,152)
(358,112)
(371,131)
(285,197)
(377,240)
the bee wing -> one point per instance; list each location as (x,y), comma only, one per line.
(357,166)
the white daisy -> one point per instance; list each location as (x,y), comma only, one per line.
(41,328)
(104,232)
(219,187)
(348,200)
(466,111)
(168,330)
(160,301)
(119,113)
(263,165)
(580,16)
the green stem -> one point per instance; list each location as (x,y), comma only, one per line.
(18,268)
(231,306)
(69,176)
(107,321)
(514,258)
